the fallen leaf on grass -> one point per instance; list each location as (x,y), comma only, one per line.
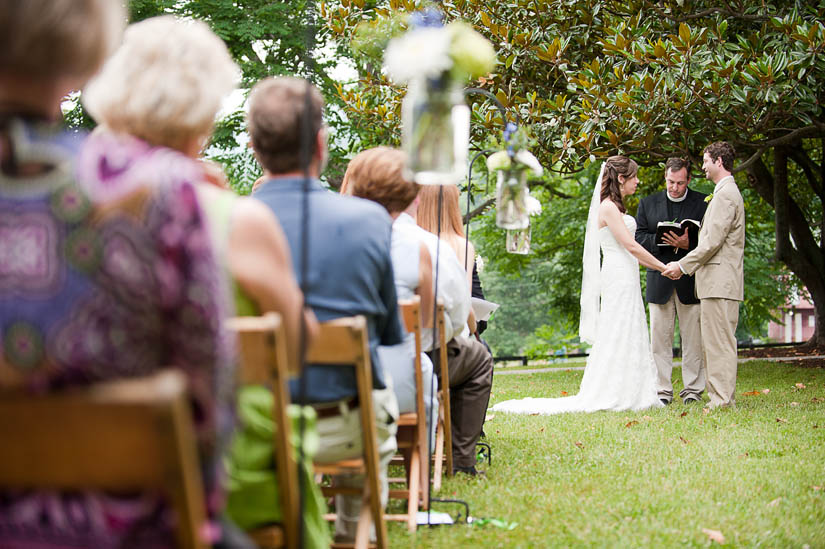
(780,420)
(818,399)
(646,418)
(579,444)
(714,535)
(631,423)
(541,430)
(705,411)
(498,523)
(799,385)
(683,414)
(534,413)
(766,391)
(794,404)
(816,488)
(564,393)
(489,417)
(775,502)
(744,455)
(683,439)
(753,393)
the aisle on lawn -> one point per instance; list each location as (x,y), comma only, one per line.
(754,475)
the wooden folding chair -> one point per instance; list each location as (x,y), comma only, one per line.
(126,436)
(443,434)
(263,361)
(412,431)
(345,341)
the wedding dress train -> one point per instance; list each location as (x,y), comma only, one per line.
(620,373)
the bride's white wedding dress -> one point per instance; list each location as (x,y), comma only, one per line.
(620,373)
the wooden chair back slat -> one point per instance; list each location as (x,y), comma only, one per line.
(345,342)
(263,361)
(418,476)
(445,388)
(126,435)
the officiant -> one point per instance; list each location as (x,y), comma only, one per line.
(670,299)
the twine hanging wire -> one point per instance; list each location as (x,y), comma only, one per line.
(306,153)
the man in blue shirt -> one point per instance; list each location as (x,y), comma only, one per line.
(349,272)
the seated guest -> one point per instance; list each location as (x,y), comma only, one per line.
(470,366)
(349,271)
(469,363)
(450,229)
(106,271)
(187,70)
(376,174)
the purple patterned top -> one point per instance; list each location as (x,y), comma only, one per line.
(106,271)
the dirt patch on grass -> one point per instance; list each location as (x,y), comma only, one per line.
(800,355)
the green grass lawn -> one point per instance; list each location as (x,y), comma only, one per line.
(755,474)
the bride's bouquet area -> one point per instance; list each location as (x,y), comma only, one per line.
(435,60)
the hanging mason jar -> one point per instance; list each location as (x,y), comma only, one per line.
(436,131)
(518,240)
(511,199)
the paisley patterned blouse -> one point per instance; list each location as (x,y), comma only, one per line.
(106,271)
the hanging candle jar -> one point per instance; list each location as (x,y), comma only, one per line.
(511,199)
(518,240)
(436,131)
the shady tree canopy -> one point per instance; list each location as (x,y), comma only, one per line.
(648,79)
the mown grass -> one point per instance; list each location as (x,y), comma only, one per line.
(755,474)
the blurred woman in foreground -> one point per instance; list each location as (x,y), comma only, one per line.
(106,271)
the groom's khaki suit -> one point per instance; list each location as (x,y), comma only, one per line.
(717,262)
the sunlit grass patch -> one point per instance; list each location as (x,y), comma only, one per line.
(678,476)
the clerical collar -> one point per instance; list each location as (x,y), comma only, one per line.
(680,199)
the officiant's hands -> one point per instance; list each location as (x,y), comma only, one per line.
(677,241)
(672,270)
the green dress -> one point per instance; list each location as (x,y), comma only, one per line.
(252,489)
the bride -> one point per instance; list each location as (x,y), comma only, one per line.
(620,373)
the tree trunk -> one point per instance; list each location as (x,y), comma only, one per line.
(802,255)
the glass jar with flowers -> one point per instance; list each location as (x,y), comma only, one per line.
(435,61)
(512,166)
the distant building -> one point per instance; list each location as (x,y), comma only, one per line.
(797,322)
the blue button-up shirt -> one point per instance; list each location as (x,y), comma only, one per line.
(349,273)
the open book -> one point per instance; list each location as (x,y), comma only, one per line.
(678,227)
(483,309)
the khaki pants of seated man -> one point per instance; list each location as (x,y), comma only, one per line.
(662,323)
(340,438)
(719,318)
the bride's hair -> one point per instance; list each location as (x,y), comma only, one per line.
(611,187)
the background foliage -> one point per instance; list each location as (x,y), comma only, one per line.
(649,80)
(592,78)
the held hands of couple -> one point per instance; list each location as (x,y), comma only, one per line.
(672,270)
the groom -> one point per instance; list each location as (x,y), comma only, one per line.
(718,264)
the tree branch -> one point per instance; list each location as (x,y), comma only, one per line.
(478,210)
(800,156)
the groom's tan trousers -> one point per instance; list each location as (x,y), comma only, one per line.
(719,318)
(662,322)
